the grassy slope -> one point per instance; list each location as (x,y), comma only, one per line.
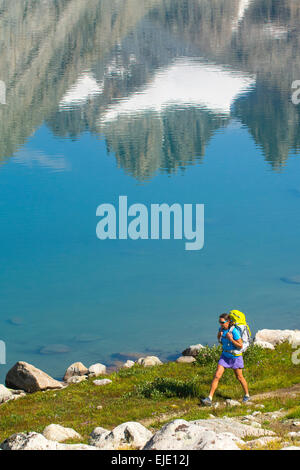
(153,395)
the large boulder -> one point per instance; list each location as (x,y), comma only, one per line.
(184,435)
(58,433)
(149,361)
(130,434)
(278,336)
(26,377)
(192,350)
(76,369)
(97,369)
(35,441)
(5,394)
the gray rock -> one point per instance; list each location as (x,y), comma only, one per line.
(278,336)
(192,350)
(76,369)
(128,364)
(233,426)
(149,361)
(230,402)
(130,434)
(184,435)
(261,441)
(58,433)
(30,379)
(5,394)
(291,448)
(102,382)
(97,369)
(35,441)
(264,344)
(186,359)
(76,379)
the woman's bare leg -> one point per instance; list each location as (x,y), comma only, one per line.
(242,380)
(215,382)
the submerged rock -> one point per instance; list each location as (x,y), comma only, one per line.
(291,280)
(54,349)
(26,377)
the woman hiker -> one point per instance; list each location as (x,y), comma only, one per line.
(230,358)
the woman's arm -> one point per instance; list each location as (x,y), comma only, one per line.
(236,342)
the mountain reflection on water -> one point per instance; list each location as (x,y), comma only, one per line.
(156,78)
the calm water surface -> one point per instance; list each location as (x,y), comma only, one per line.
(162,101)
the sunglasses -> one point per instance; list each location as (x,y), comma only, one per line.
(222,322)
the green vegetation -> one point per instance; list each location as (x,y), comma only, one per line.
(155,395)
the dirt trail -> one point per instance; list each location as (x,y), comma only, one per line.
(294,390)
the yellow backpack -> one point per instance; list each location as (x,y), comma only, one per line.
(240,322)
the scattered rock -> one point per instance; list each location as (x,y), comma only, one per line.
(55,432)
(97,435)
(30,379)
(230,402)
(184,435)
(35,441)
(149,361)
(76,369)
(294,434)
(233,426)
(262,441)
(127,434)
(97,369)
(5,394)
(186,359)
(128,364)
(264,344)
(291,448)
(76,379)
(102,382)
(192,350)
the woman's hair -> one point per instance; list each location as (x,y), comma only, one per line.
(227,317)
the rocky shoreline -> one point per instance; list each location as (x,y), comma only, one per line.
(213,433)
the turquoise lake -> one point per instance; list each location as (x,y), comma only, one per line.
(169,101)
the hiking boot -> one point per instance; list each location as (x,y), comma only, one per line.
(246,398)
(206,401)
